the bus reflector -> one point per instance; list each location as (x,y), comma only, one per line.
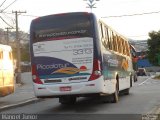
(96,73)
(35,77)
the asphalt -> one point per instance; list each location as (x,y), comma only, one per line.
(24,94)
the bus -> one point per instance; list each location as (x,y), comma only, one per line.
(77,55)
(7,85)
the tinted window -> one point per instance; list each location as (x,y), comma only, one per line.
(61,26)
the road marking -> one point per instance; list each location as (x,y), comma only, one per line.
(144,81)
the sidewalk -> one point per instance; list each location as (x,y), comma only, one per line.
(23,94)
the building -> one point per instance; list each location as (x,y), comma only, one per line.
(139,48)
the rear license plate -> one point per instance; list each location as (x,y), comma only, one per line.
(65,88)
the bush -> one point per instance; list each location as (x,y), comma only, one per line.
(157,77)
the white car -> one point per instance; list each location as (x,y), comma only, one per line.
(141,72)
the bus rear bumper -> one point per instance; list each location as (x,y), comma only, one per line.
(77,89)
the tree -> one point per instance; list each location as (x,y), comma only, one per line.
(154,47)
(25,53)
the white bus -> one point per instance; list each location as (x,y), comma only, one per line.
(74,55)
(7,85)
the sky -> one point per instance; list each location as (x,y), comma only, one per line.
(135,27)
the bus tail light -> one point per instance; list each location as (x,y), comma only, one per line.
(96,73)
(35,77)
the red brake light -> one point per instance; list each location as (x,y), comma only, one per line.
(35,77)
(96,73)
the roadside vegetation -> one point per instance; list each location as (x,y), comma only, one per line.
(153,53)
(157,77)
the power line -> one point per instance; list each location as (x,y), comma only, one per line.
(2,3)
(136,14)
(8,17)
(22,15)
(127,15)
(6,22)
(4,10)
(8,6)
(30,15)
(139,36)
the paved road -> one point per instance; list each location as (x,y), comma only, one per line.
(144,98)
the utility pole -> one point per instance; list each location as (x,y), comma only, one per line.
(8,34)
(18,78)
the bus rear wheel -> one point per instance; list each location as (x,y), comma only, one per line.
(115,95)
(67,100)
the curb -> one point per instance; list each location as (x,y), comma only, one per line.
(154,113)
(158,111)
(22,103)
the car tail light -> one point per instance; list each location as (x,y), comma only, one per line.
(35,77)
(96,73)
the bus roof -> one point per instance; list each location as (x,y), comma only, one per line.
(5,47)
(62,14)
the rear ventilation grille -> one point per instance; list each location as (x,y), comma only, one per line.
(52,81)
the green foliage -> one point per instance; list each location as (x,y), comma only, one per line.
(154,47)
(157,77)
(25,53)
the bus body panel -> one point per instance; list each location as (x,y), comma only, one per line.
(78,89)
(7,85)
(113,65)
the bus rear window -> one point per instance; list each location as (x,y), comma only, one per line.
(64,26)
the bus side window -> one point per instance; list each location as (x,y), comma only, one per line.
(121,44)
(124,47)
(101,31)
(106,38)
(1,55)
(10,56)
(118,47)
(109,39)
(104,35)
(128,49)
(114,42)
